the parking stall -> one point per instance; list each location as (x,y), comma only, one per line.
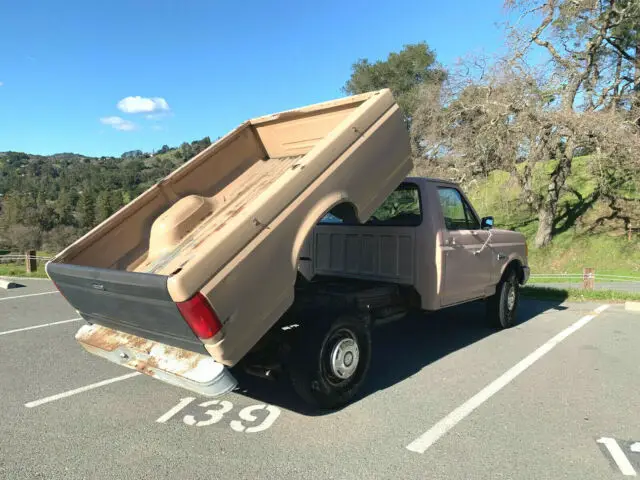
(448,397)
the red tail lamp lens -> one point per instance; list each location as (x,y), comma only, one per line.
(198,313)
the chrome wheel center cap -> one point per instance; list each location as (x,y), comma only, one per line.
(344,358)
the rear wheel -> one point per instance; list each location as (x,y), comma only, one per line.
(330,361)
(503,305)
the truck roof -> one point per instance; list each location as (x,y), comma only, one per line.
(430,179)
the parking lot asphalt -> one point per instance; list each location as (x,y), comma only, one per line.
(557,396)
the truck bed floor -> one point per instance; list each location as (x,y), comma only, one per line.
(234,198)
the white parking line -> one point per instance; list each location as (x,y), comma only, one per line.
(618,456)
(431,436)
(53,398)
(28,295)
(39,326)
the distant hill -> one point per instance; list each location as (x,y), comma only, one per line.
(46,201)
(592,230)
(56,156)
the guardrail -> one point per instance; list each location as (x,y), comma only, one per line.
(11,258)
(29,261)
(588,278)
(577,276)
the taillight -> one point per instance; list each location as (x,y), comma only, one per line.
(200,316)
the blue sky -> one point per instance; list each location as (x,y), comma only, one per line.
(200,67)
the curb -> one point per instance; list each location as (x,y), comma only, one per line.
(6,284)
(632,306)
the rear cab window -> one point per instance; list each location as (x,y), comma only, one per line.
(400,209)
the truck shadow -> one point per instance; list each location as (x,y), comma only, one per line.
(401,349)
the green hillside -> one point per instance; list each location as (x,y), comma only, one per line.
(589,234)
(46,202)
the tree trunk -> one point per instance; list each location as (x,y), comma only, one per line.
(636,78)
(544,235)
(549,207)
(526,184)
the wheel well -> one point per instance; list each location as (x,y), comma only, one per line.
(337,204)
(516,266)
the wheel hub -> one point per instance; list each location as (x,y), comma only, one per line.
(511,298)
(344,358)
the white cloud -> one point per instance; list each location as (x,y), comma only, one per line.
(1,84)
(155,117)
(142,104)
(119,123)
(157,127)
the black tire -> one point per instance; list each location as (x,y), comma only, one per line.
(501,309)
(310,369)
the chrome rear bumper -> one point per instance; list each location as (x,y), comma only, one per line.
(176,366)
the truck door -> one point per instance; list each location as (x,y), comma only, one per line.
(467,269)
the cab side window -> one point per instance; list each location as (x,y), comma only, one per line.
(457,213)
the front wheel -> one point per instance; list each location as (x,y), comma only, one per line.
(503,305)
(330,361)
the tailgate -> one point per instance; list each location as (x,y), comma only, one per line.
(135,303)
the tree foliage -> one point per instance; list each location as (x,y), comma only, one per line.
(62,196)
(402,72)
(516,113)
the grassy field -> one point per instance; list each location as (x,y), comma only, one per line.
(585,236)
(18,269)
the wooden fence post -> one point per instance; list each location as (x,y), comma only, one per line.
(30,261)
(588,278)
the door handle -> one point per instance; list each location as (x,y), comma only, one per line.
(501,256)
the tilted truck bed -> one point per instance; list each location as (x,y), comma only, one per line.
(236,196)
(228,226)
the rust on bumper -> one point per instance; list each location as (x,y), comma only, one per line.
(176,366)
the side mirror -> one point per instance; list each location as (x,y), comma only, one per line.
(487,223)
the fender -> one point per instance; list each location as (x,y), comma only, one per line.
(515,259)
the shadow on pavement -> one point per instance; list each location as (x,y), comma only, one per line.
(401,349)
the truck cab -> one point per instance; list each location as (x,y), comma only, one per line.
(427,236)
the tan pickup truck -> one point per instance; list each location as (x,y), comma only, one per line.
(278,248)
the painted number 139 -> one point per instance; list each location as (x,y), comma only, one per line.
(217,409)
